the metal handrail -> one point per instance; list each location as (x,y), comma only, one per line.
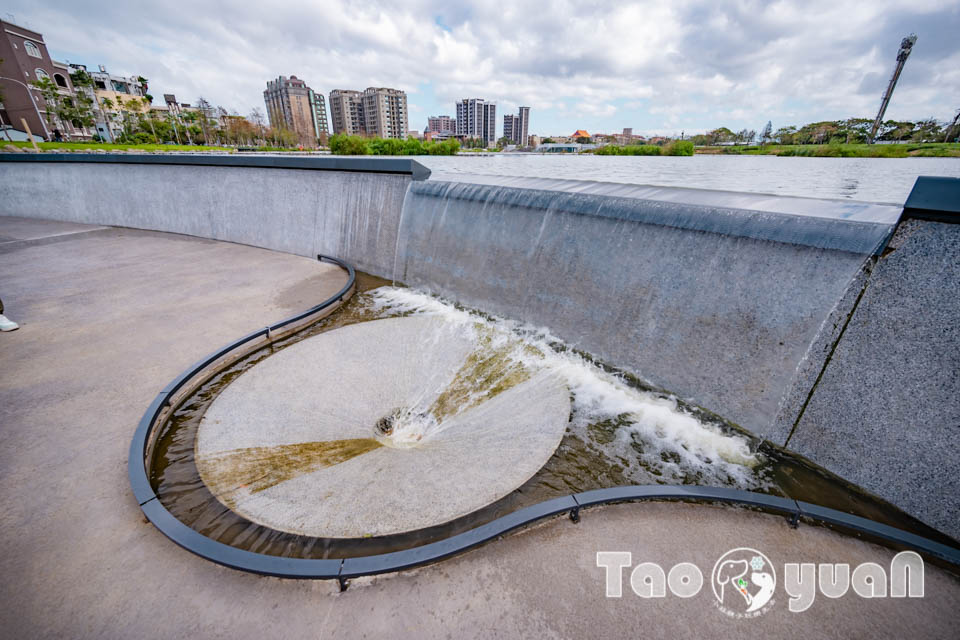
(342,569)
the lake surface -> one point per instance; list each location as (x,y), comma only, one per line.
(870,179)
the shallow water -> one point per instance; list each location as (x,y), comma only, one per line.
(869,179)
(620,432)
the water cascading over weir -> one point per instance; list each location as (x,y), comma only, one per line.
(711,295)
(824,326)
(799,319)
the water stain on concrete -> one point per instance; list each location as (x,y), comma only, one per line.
(254,469)
(489,371)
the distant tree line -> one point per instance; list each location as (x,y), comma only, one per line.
(672,148)
(344,145)
(849,131)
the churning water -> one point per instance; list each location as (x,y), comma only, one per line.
(649,436)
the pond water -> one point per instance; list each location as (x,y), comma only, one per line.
(869,179)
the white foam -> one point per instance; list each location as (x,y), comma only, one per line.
(655,436)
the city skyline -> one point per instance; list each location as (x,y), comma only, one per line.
(659,68)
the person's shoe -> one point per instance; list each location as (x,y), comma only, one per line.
(7,325)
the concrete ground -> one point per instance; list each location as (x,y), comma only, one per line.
(110,315)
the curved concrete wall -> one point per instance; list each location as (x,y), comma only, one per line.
(349,214)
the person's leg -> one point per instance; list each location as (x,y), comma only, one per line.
(5,323)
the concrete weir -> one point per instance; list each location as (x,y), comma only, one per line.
(826,326)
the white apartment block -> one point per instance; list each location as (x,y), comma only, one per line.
(477,118)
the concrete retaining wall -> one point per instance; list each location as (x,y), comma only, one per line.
(352,215)
(884,409)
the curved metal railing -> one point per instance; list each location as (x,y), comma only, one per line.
(342,569)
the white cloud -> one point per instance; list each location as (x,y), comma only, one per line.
(663,63)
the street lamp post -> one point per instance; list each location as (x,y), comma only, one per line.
(35,107)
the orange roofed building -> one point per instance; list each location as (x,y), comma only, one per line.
(580,133)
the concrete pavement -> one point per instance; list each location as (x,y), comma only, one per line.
(110,315)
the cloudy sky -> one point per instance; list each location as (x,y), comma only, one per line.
(660,66)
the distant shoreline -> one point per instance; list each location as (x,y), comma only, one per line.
(900,150)
(903,150)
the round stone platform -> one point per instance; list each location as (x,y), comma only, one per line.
(379,428)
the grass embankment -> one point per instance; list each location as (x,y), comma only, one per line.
(905,150)
(93,146)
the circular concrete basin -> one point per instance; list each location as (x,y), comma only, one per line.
(380,428)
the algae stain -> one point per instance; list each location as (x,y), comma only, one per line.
(257,468)
(488,371)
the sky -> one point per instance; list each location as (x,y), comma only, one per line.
(660,67)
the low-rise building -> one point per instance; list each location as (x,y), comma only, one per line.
(442,125)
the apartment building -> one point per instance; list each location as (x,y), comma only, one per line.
(346,112)
(385,113)
(111,91)
(442,124)
(375,112)
(477,118)
(509,122)
(521,128)
(516,128)
(24,59)
(294,106)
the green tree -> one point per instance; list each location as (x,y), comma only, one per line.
(766,133)
(927,130)
(785,135)
(51,94)
(721,134)
(147,101)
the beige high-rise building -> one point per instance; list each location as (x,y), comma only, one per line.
(385,112)
(346,112)
(292,105)
(377,112)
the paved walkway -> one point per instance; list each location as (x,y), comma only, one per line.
(110,315)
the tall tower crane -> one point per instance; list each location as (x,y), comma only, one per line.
(906,45)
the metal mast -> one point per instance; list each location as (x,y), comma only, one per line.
(946,135)
(906,45)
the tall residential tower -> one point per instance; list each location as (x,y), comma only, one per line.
(377,111)
(477,118)
(292,105)
(516,128)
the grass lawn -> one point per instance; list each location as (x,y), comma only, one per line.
(87,146)
(905,150)
(93,146)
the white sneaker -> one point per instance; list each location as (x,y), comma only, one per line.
(7,324)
